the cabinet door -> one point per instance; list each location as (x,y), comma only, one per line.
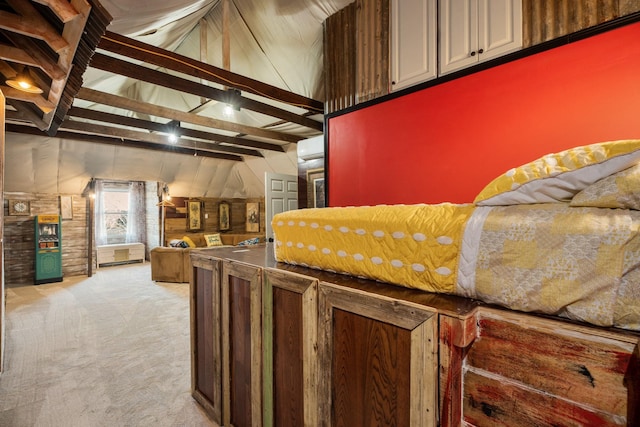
(290,315)
(473,31)
(458,34)
(241,344)
(499,27)
(413,42)
(378,360)
(206,362)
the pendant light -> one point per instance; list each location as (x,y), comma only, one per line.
(23,81)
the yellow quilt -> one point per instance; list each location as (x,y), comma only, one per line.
(580,263)
(414,246)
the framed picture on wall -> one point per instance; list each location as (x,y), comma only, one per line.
(253,217)
(66,207)
(195,215)
(224,216)
(315,188)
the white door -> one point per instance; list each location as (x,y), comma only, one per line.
(281,195)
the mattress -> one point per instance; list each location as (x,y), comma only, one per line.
(576,262)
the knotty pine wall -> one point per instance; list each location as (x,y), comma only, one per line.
(19,238)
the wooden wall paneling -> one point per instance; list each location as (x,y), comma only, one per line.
(19,244)
(372,49)
(456,335)
(206,340)
(290,314)
(339,59)
(545,20)
(378,357)
(577,376)
(176,227)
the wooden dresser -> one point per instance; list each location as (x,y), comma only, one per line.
(281,345)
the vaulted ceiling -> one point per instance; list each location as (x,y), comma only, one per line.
(129,74)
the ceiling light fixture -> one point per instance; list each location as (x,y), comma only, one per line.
(174,131)
(23,81)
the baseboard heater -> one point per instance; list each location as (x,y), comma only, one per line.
(120,253)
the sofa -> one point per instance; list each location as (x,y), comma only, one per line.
(172,263)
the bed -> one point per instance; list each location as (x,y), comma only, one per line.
(558,236)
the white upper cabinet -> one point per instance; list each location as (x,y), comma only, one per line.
(413,42)
(473,31)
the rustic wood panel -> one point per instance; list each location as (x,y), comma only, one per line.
(241,309)
(491,401)
(288,387)
(545,20)
(19,238)
(339,59)
(290,316)
(576,365)
(176,227)
(364,341)
(372,49)
(456,334)
(371,365)
(206,366)
(240,351)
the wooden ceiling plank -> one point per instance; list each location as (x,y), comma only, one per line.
(72,32)
(43,104)
(70,136)
(138,72)
(25,114)
(153,55)
(63,9)
(13,54)
(37,26)
(118,119)
(169,113)
(48,65)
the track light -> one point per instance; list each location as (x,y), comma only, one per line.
(23,81)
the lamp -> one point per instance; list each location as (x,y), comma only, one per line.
(23,81)
(163,205)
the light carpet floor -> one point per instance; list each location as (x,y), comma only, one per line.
(110,350)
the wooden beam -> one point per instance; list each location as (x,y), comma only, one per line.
(63,9)
(42,58)
(153,55)
(118,119)
(120,142)
(38,100)
(169,113)
(138,72)
(30,23)
(13,54)
(226,39)
(25,113)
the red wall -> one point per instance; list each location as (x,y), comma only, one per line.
(446,142)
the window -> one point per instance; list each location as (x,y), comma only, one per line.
(120,212)
(115,205)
